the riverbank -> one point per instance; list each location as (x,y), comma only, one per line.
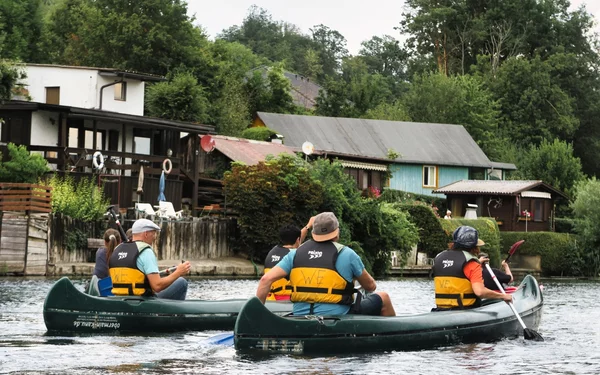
(226,266)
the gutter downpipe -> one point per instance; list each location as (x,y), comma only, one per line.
(105,86)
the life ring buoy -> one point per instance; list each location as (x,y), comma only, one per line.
(98,160)
(168,169)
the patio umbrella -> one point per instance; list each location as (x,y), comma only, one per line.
(161,187)
(140,189)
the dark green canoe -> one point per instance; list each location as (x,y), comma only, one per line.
(256,329)
(68,309)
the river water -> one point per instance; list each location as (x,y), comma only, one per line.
(570,326)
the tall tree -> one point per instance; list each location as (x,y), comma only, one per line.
(21,28)
(152,36)
(331,46)
(181,99)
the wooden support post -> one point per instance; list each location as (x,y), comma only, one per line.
(195,171)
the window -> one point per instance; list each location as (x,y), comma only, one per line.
(52,95)
(429,176)
(141,145)
(121,91)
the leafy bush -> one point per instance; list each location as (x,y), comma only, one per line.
(268,196)
(488,232)
(564,225)
(433,239)
(22,167)
(260,133)
(560,253)
(83,200)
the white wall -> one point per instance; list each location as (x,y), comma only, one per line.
(44,128)
(80,87)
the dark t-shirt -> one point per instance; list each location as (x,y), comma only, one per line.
(101,268)
(489,282)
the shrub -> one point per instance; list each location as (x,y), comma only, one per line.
(83,200)
(268,196)
(561,256)
(488,232)
(259,133)
(564,225)
(398,196)
(22,167)
(433,239)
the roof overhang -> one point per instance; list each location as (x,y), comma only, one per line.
(362,165)
(536,194)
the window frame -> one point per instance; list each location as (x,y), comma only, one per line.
(432,173)
(120,95)
(57,93)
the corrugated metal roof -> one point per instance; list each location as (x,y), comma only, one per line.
(248,151)
(509,187)
(418,143)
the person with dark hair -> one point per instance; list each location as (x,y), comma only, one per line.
(290,237)
(457,273)
(504,277)
(112,238)
(129,234)
(322,274)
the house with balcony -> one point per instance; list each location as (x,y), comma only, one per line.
(79,118)
(417,157)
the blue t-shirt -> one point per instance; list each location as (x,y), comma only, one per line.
(348,264)
(146,261)
(101,267)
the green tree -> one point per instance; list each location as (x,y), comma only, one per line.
(553,163)
(331,46)
(585,210)
(181,99)
(10,74)
(386,111)
(461,100)
(21,29)
(533,106)
(21,166)
(231,109)
(152,36)
(269,92)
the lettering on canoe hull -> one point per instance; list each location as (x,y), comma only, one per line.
(96,322)
(286,346)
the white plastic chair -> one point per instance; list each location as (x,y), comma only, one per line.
(166,210)
(145,209)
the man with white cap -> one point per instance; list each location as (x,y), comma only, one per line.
(134,267)
(457,273)
(322,274)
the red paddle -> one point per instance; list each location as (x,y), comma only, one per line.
(513,248)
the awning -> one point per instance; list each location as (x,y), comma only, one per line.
(361,165)
(536,194)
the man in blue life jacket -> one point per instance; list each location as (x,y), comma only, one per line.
(458,276)
(134,267)
(322,274)
(290,237)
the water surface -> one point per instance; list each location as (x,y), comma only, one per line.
(570,325)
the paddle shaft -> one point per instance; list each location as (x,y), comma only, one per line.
(503,292)
(514,248)
(121,230)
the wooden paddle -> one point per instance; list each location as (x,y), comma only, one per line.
(529,333)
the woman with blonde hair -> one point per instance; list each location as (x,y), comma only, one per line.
(112,238)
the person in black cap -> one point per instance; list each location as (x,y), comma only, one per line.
(504,277)
(290,237)
(134,267)
(321,273)
(457,272)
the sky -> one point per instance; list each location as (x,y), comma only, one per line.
(356,20)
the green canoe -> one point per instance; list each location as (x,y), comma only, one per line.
(256,329)
(68,309)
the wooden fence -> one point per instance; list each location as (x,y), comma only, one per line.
(25,197)
(23,243)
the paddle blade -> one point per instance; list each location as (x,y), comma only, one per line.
(530,334)
(221,339)
(513,248)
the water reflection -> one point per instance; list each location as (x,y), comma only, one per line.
(569,325)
